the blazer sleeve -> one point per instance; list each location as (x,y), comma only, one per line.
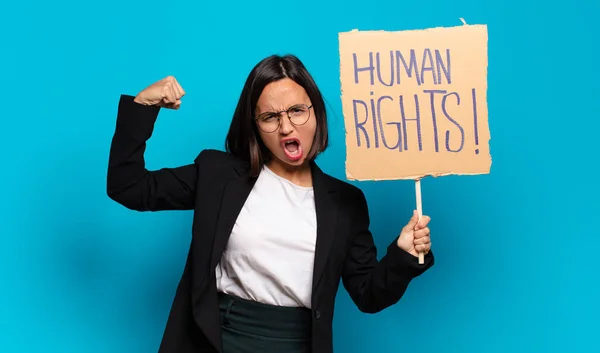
(128,181)
(376,284)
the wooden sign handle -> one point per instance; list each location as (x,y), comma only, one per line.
(420,212)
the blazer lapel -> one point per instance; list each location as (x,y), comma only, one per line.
(234,196)
(327,213)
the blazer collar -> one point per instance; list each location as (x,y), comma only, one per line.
(236,192)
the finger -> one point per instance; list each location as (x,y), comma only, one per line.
(423,222)
(422,233)
(422,240)
(422,248)
(167,95)
(175,89)
(174,97)
(175,105)
(179,90)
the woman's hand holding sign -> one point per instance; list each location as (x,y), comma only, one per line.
(415,236)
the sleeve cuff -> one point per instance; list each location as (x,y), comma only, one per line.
(136,119)
(406,263)
(133,108)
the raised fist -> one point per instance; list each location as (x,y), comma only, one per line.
(165,93)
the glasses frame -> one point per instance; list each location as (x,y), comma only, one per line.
(278,115)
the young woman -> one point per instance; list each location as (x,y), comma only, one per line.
(272,234)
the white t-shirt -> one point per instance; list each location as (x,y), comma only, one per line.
(270,254)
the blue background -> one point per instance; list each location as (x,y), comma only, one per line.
(516,250)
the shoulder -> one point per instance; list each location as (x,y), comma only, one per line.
(346,191)
(217,162)
(350,201)
(215,156)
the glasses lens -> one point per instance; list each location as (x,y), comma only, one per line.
(268,123)
(299,114)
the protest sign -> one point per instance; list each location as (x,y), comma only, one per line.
(415,103)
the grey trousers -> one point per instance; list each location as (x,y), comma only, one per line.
(251,327)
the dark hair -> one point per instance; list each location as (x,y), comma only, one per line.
(243,139)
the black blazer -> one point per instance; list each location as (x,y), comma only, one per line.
(215,186)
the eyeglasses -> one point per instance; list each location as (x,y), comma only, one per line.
(298,115)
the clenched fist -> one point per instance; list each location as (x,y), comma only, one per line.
(165,93)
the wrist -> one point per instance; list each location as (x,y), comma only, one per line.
(140,100)
(409,248)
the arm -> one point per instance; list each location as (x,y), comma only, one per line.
(128,181)
(375,285)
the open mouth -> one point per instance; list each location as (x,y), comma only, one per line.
(292,149)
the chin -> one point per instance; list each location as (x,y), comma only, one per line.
(287,162)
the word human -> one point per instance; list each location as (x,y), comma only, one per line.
(429,63)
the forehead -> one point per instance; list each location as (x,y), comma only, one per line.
(280,95)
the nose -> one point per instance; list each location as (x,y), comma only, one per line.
(286,126)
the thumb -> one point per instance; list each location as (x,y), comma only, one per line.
(413,220)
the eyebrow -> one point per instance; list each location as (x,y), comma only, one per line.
(273,111)
(267,112)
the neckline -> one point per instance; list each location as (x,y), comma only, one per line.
(279,177)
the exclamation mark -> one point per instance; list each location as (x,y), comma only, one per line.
(475,120)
